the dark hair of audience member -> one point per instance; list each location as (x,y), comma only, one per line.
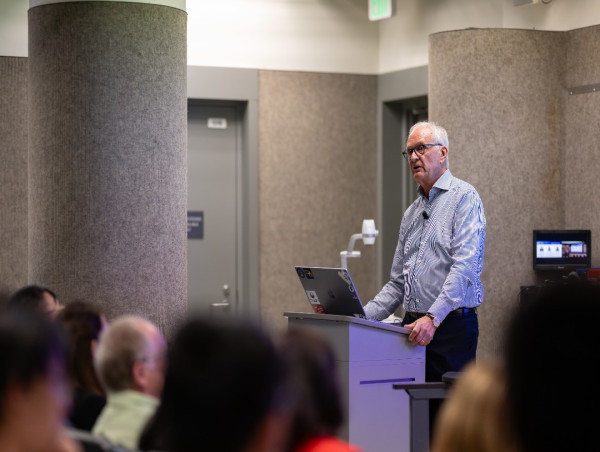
(551,353)
(34,298)
(33,395)
(474,417)
(82,324)
(222,382)
(310,369)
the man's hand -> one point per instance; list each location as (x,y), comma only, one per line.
(422,331)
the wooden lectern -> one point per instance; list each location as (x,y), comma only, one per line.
(371,357)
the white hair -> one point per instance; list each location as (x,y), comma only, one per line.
(438,133)
(123,342)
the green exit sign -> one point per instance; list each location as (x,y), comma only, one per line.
(380,9)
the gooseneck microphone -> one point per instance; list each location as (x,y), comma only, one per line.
(425,215)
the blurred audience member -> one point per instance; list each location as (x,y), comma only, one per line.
(317,405)
(82,324)
(222,392)
(34,395)
(553,385)
(475,418)
(131,362)
(35,298)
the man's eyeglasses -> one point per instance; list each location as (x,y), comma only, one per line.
(420,149)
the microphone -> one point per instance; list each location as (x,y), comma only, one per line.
(425,215)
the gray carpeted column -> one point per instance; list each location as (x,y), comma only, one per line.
(107,175)
(499,93)
(13,176)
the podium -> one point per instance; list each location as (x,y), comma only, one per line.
(371,357)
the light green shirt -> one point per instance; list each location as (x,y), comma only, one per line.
(125,416)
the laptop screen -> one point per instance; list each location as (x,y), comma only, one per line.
(330,291)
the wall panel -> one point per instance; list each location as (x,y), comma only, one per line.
(317,181)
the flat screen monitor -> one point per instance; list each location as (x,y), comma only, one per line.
(567,249)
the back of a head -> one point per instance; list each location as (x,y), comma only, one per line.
(121,344)
(221,383)
(34,298)
(552,381)
(311,373)
(29,346)
(82,324)
(474,418)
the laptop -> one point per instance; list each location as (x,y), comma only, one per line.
(331,291)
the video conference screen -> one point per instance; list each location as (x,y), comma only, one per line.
(557,250)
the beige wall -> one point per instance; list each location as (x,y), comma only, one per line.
(317,176)
(518,137)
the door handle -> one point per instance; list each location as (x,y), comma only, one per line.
(225,304)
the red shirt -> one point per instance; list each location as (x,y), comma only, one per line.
(326,444)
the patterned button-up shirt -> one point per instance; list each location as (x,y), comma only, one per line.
(439,258)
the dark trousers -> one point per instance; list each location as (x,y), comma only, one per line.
(454,344)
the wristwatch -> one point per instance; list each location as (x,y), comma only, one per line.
(434,319)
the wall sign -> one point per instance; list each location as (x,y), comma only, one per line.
(195,224)
(217,123)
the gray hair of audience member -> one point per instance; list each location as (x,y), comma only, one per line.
(439,135)
(124,342)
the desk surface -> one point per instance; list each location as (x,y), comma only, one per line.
(427,385)
(447,380)
(396,328)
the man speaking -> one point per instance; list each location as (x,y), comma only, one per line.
(438,261)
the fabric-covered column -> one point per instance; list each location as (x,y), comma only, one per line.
(499,93)
(107,157)
(13,177)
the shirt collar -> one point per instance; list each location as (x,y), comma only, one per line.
(130,396)
(443,183)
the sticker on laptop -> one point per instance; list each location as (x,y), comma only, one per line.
(314,302)
(305,273)
(345,276)
(318,309)
(312,297)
